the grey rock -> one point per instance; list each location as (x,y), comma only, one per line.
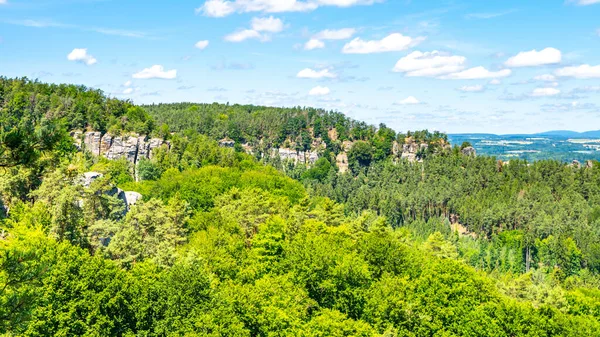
(131,198)
(226,142)
(123,147)
(155,143)
(469,151)
(89,177)
(91,141)
(77,135)
(143,148)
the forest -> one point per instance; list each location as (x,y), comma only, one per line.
(232,241)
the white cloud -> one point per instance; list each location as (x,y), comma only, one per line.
(319,91)
(128,91)
(127,84)
(221,8)
(3,2)
(584,71)
(586,2)
(393,42)
(545,92)
(156,71)
(217,8)
(495,81)
(545,78)
(314,74)
(81,55)
(201,44)
(270,24)
(477,73)
(314,44)
(336,34)
(472,88)
(243,35)
(535,58)
(259,26)
(429,64)
(410,100)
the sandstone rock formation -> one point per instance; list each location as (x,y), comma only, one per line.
(309,157)
(129,198)
(469,151)
(132,147)
(88,178)
(342,162)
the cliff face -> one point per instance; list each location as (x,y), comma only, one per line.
(132,147)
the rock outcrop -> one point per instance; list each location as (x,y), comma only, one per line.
(129,198)
(308,157)
(342,162)
(88,178)
(226,142)
(469,151)
(410,150)
(132,147)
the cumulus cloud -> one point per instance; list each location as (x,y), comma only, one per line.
(261,28)
(314,44)
(535,58)
(410,100)
(81,55)
(201,44)
(429,64)
(390,43)
(477,73)
(319,91)
(472,88)
(156,72)
(584,71)
(128,91)
(335,34)
(495,81)
(221,8)
(545,78)
(243,35)
(314,74)
(545,92)
(270,24)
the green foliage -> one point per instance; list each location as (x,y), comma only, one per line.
(360,156)
(223,245)
(151,230)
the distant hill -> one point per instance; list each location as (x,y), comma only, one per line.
(571,134)
(559,145)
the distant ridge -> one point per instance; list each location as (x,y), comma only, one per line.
(554,133)
(570,134)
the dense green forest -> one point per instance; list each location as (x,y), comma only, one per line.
(229,243)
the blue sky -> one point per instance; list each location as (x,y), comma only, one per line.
(454,66)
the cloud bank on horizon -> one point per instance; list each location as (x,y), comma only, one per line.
(474,67)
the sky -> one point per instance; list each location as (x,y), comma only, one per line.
(453,66)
